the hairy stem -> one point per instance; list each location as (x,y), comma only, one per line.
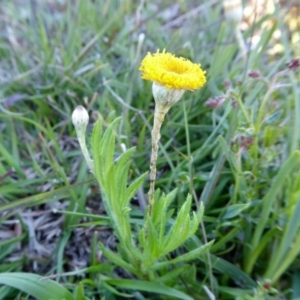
(84,150)
(159,116)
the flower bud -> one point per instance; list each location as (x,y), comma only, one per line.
(254,74)
(294,64)
(215,102)
(164,97)
(80,118)
(233,11)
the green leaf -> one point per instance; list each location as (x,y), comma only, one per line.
(259,50)
(122,181)
(296,286)
(115,291)
(153,243)
(273,118)
(265,240)
(269,199)
(290,233)
(232,271)
(133,188)
(234,210)
(79,293)
(5,291)
(95,141)
(36,286)
(288,260)
(142,238)
(180,230)
(194,254)
(231,157)
(222,266)
(197,218)
(218,65)
(237,293)
(212,184)
(151,287)
(114,221)
(107,147)
(111,189)
(224,239)
(161,215)
(121,171)
(173,274)
(123,159)
(160,207)
(117,260)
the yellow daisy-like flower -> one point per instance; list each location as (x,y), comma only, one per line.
(172,72)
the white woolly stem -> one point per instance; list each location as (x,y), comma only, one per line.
(159,116)
(84,150)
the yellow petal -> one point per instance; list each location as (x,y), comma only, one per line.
(172,72)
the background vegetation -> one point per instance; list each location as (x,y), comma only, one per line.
(232,145)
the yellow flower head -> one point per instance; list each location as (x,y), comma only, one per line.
(172,72)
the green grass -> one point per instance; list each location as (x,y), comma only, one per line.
(55,55)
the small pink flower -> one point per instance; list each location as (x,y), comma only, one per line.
(294,64)
(254,74)
(215,102)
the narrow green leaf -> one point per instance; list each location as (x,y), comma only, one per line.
(267,237)
(231,270)
(222,241)
(291,231)
(173,274)
(273,118)
(222,266)
(296,285)
(115,291)
(234,210)
(10,160)
(142,238)
(151,287)
(134,250)
(160,207)
(259,50)
(218,65)
(211,184)
(117,260)
(270,197)
(35,286)
(114,221)
(194,224)
(5,291)
(153,242)
(179,230)
(133,188)
(194,254)
(123,158)
(96,141)
(162,216)
(121,171)
(231,157)
(237,293)
(288,261)
(79,293)
(111,189)
(107,146)
(121,176)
